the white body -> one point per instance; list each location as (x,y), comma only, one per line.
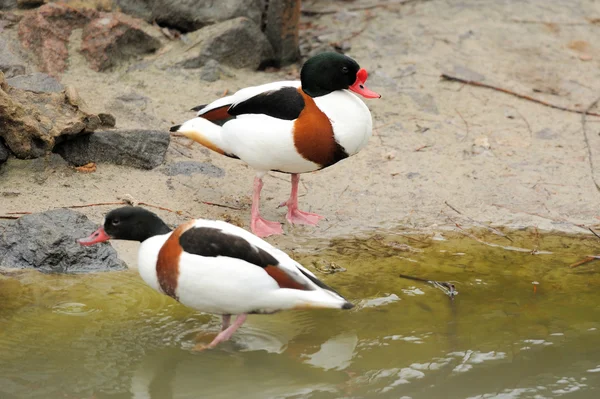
(224,285)
(266,143)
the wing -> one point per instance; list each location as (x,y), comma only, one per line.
(218,109)
(213,242)
(216,238)
(285,103)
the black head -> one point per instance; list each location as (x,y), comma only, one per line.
(128,223)
(327,72)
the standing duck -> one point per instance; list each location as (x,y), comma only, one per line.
(216,267)
(290,126)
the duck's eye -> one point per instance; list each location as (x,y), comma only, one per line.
(115,222)
(345,69)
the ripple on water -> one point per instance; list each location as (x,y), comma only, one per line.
(73,309)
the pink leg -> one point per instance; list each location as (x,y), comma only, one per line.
(225,334)
(295,215)
(260,226)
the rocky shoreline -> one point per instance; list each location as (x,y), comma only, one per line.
(90,88)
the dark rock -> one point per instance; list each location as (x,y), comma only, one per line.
(238,43)
(3,153)
(190,15)
(33,122)
(11,64)
(40,169)
(281,28)
(144,149)
(30,3)
(211,71)
(8,4)
(115,37)
(47,242)
(189,168)
(38,82)
(138,8)
(45,32)
(107,120)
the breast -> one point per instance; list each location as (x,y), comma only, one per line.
(350,119)
(147,259)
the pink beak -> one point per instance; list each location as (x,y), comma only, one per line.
(96,237)
(359,85)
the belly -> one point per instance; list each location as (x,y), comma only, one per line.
(222,285)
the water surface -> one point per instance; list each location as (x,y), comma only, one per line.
(522,326)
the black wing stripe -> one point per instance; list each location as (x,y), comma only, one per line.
(319,283)
(212,242)
(198,107)
(285,103)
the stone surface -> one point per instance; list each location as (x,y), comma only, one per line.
(8,4)
(189,168)
(211,71)
(3,153)
(11,64)
(190,15)
(47,242)
(107,38)
(281,29)
(144,149)
(45,32)
(32,122)
(30,3)
(115,37)
(37,82)
(238,43)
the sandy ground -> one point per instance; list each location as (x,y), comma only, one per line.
(498,159)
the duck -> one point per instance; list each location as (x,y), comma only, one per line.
(292,127)
(215,267)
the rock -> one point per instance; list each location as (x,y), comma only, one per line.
(45,32)
(30,3)
(107,120)
(3,153)
(32,122)
(189,168)
(37,82)
(8,4)
(47,242)
(10,62)
(144,149)
(238,43)
(107,38)
(211,71)
(281,29)
(138,8)
(115,37)
(191,15)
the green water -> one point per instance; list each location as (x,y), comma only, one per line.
(110,336)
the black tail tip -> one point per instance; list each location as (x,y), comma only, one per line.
(174,128)
(198,108)
(347,305)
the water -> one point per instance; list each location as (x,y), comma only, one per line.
(109,336)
